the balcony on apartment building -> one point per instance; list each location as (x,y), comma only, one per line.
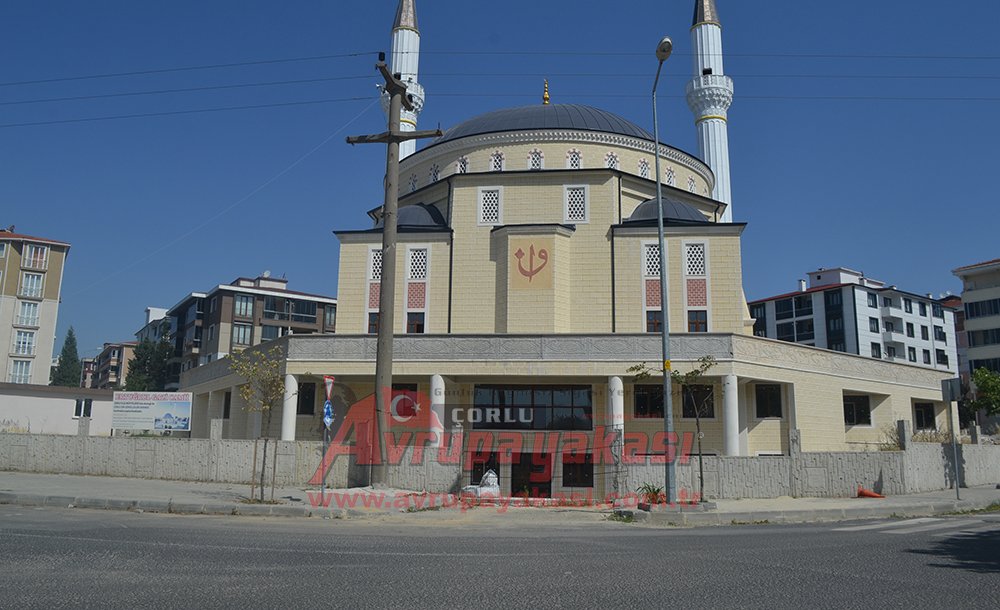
(30,290)
(26,320)
(35,262)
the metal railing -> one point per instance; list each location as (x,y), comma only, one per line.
(27,321)
(36,263)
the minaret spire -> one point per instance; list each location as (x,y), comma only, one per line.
(405,62)
(709,95)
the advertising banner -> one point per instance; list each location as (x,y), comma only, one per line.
(152,411)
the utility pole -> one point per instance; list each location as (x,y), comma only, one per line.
(398,99)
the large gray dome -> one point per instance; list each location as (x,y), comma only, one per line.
(418,216)
(545,116)
(673,211)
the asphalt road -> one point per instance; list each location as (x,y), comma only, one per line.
(65,558)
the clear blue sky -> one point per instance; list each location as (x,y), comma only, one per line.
(160,206)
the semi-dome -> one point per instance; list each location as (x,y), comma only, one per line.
(673,211)
(418,216)
(545,116)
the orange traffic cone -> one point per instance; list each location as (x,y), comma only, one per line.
(867,493)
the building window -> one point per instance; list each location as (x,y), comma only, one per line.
(925,333)
(692,185)
(243,306)
(992,364)
(413,182)
(942,358)
(937,310)
(923,309)
(373,323)
(759,313)
(27,315)
(786,332)
(647,402)
(3,250)
(908,305)
(872,300)
(927,356)
(212,304)
(415,323)
(20,371)
(84,408)
(911,354)
(768,400)
(783,309)
(31,285)
(24,343)
(242,334)
(330,317)
(909,330)
(923,416)
(695,260)
(857,410)
(654,321)
(939,335)
(574,159)
(643,168)
(502,407)
(698,400)
(890,352)
(611,161)
(435,173)
(698,321)
(838,346)
(490,212)
(982,309)
(671,177)
(306,402)
(876,350)
(873,325)
(833,299)
(576,209)
(496,162)
(978,338)
(418,264)
(375,264)
(803,305)
(227,405)
(651,260)
(535,160)
(578,470)
(804,330)
(211,332)
(269,333)
(462,165)
(35,257)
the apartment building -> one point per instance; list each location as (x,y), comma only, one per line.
(31,270)
(981,298)
(110,369)
(88,367)
(842,310)
(157,326)
(210,325)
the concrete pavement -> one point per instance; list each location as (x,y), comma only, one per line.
(184,497)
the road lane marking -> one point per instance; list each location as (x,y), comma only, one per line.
(948,523)
(884,524)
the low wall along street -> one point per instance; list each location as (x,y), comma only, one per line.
(916,468)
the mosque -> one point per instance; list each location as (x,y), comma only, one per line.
(528,284)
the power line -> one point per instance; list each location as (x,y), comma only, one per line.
(186,68)
(181,112)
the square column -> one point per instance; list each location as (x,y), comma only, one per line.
(730,416)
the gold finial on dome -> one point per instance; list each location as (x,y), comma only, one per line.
(545,96)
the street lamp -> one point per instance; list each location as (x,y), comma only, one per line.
(663,50)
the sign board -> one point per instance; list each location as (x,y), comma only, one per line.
(951,389)
(152,411)
(327,413)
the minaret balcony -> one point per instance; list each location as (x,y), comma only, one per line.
(710,81)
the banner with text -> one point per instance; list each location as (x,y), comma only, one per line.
(152,411)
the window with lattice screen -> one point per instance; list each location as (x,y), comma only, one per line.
(692,185)
(435,172)
(651,260)
(671,177)
(694,259)
(489,206)
(574,159)
(535,160)
(576,204)
(375,265)
(611,161)
(418,264)
(413,183)
(643,168)
(462,165)
(496,162)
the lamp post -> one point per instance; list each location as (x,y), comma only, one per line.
(663,50)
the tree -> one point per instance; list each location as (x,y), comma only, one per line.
(689,383)
(263,389)
(67,372)
(148,368)
(987,393)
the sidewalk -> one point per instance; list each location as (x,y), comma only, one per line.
(183,497)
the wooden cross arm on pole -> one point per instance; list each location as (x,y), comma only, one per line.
(400,136)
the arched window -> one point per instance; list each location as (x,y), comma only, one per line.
(535,160)
(611,160)
(574,159)
(671,177)
(643,168)
(413,183)
(692,185)
(435,172)
(462,165)
(496,162)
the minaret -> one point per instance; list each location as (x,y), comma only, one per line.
(709,96)
(405,60)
